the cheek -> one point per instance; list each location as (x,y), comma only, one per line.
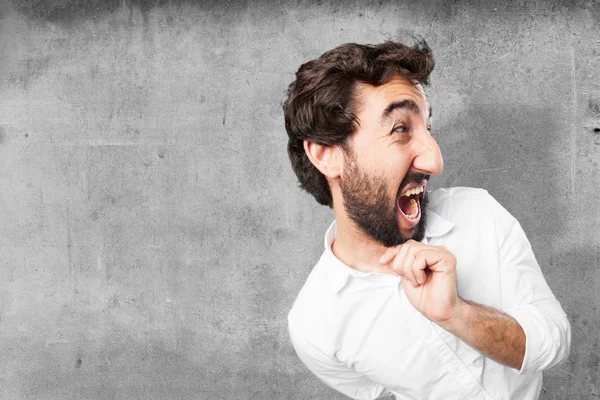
(379,163)
(401,158)
(390,162)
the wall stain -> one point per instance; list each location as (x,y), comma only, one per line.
(67,12)
(29,69)
(2,136)
(114,369)
(594,105)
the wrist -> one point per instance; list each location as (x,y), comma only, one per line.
(458,322)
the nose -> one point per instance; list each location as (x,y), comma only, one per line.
(428,157)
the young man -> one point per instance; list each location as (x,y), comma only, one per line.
(417,295)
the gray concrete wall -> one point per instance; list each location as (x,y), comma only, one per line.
(152,237)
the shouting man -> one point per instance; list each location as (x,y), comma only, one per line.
(418,295)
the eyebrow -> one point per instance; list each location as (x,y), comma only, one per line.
(406,104)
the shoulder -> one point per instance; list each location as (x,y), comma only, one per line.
(458,196)
(461,201)
(473,209)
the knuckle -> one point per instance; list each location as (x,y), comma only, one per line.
(450,264)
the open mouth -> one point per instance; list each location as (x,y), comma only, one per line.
(409,202)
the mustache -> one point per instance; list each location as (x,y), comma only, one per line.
(414,178)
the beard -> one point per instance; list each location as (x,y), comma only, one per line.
(368,205)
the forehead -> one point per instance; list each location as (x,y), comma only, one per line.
(374,100)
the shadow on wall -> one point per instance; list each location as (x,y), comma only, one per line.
(517,153)
(576,269)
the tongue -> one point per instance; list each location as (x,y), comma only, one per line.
(409,205)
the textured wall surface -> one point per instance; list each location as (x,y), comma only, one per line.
(152,237)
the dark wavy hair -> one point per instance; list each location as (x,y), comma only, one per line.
(321,105)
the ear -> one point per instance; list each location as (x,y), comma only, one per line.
(327,159)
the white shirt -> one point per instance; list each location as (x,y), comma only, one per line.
(358,333)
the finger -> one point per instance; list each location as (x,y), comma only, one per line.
(396,262)
(403,262)
(419,266)
(437,259)
(389,254)
(406,284)
(416,265)
(409,266)
(409,260)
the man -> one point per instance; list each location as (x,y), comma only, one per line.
(417,295)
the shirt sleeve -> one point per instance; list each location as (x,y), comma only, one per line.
(337,375)
(527,297)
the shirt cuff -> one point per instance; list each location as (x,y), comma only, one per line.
(542,339)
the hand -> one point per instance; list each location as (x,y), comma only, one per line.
(429,278)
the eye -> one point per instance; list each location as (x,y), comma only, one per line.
(400,129)
(429,122)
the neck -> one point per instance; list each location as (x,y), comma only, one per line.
(354,248)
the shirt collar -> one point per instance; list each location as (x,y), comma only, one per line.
(339,273)
(436,225)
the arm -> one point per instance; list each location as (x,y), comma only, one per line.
(430,286)
(530,332)
(491,332)
(530,301)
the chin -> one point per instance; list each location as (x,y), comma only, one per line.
(417,232)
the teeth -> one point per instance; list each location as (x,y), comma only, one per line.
(414,191)
(415,208)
